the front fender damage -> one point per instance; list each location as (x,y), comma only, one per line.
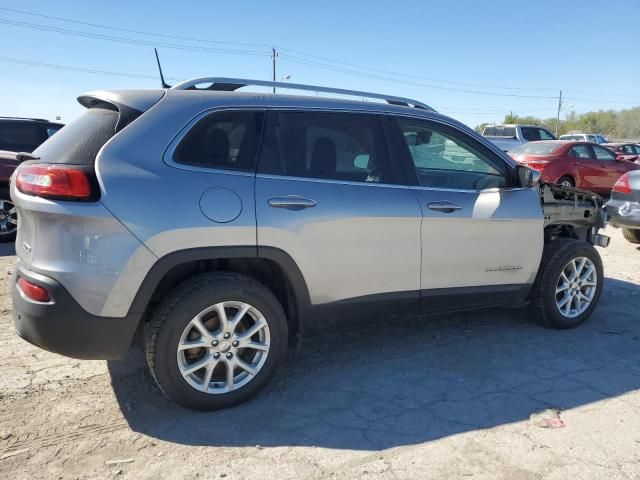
(573,212)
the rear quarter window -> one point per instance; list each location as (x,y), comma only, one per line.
(226,140)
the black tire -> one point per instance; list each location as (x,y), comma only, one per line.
(567,179)
(8,230)
(187,300)
(555,257)
(631,235)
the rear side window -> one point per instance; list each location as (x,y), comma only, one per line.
(21,136)
(80,141)
(581,151)
(326,145)
(533,134)
(226,140)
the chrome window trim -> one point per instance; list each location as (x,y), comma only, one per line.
(270,176)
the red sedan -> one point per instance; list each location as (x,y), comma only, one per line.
(574,164)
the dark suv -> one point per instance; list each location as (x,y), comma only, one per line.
(17,135)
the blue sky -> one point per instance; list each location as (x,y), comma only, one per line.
(515,56)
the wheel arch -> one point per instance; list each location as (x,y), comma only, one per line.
(271,266)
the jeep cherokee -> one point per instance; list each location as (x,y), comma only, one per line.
(224,225)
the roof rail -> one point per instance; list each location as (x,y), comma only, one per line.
(24,118)
(231,84)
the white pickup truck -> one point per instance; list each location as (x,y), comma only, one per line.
(508,137)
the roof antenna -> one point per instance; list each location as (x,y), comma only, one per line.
(162,82)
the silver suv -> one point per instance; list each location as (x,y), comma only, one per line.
(224,225)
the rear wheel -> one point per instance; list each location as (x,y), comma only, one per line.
(568,285)
(567,181)
(631,234)
(8,221)
(216,341)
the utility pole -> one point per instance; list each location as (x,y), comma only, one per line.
(559,107)
(274,54)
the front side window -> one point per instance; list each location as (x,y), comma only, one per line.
(326,145)
(603,154)
(629,149)
(444,159)
(226,140)
(582,152)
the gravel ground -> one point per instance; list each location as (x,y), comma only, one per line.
(447,397)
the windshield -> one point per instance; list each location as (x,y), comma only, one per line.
(535,148)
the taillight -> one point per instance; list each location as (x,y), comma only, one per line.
(536,164)
(33,291)
(54,181)
(622,185)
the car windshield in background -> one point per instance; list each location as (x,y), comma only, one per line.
(537,148)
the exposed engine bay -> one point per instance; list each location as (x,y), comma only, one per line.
(573,212)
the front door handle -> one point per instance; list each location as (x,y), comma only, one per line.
(291,202)
(444,206)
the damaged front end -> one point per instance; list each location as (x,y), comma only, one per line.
(573,212)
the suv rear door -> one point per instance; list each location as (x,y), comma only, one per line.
(328,195)
(482,237)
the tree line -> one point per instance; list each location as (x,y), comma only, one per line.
(620,124)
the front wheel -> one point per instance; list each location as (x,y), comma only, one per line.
(631,235)
(567,181)
(568,285)
(216,341)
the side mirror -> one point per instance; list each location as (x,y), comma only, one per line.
(528,177)
(620,158)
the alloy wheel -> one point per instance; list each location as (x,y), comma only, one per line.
(223,347)
(576,287)
(8,218)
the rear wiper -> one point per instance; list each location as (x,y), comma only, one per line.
(22,156)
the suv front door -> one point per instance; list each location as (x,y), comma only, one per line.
(482,237)
(328,196)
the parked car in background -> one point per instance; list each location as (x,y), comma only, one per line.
(631,151)
(574,164)
(8,213)
(25,134)
(584,137)
(508,137)
(623,208)
(281,202)
(17,135)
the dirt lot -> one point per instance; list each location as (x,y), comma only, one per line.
(447,397)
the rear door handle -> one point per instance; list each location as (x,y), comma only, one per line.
(291,202)
(444,206)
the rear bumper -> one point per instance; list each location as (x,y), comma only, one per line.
(623,213)
(63,326)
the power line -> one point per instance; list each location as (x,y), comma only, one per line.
(128,30)
(406,82)
(79,69)
(417,77)
(258,52)
(130,41)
